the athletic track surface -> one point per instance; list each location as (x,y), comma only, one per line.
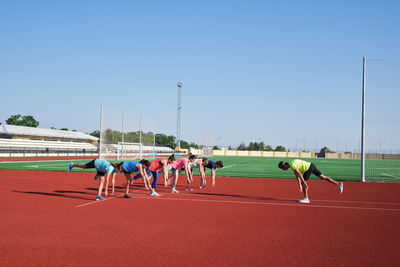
(51,219)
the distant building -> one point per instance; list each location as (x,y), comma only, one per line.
(41,134)
(30,141)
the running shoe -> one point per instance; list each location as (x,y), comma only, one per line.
(174,191)
(202,187)
(127,196)
(154,194)
(189,189)
(340,186)
(99,198)
(304,200)
(70,167)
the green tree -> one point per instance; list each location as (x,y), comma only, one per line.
(242,146)
(326,150)
(164,140)
(262,146)
(22,121)
(193,145)
(280,148)
(184,144)
(95,133)
(253,146)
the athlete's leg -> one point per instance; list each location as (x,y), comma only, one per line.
(155,179)
(175,177)
(106,184)
(328,179)
(83,166)
(113,183)
(305,189)
(128,182)
(89,165)
(101,182)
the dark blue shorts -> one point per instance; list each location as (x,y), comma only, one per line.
(90,165)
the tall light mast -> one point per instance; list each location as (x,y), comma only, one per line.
(178,117)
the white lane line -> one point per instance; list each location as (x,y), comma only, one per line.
(269,203)
(93,202)
(294,199)
(96,201)
(260,203)
(230,166)
(209,171)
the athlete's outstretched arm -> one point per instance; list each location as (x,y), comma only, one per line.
(300,179)
(144,176)
(165,170)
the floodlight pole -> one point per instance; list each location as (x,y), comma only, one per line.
(363,122)
(140,136)
(122,124)
(101,131)
(178,117)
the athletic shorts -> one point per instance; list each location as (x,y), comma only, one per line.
(90,165)
(313,170)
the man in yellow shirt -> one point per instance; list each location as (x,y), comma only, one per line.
(303,169)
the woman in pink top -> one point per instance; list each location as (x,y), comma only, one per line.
(182,163)
(156,166)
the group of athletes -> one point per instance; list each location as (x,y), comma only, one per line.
(147,170)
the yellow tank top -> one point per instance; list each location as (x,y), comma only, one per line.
(299,164)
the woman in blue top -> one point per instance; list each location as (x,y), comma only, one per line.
(103,167)
(213,166)
(128,167)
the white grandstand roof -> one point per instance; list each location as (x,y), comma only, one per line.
(42,132)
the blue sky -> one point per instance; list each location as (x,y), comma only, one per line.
(283,72)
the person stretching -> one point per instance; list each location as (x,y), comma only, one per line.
(302,170)
(156,166)
(102,167)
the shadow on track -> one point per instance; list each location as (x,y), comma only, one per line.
(57,194)
(245,197)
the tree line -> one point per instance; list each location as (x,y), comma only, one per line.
(147,138)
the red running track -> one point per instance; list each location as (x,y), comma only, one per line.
(50,218)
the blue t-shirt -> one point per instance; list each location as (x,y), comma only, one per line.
(130,166)
(211,165)
(103,166)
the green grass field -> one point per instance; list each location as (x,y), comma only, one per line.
(256,167)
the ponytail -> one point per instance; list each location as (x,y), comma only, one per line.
(146,163)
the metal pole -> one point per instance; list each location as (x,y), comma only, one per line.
(122,127)
(178,117)
(140,136)
(101,131)
(363,122)
(154,142)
